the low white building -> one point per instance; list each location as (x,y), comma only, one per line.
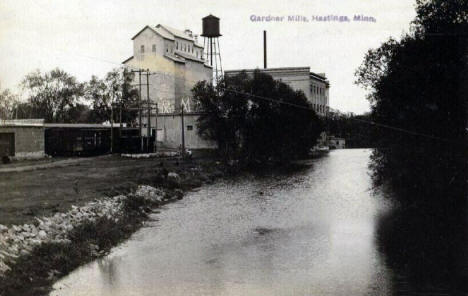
(336,143)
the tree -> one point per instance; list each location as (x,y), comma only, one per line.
(116,91)
(415,88)
(256,119)
(96,94)
(356,129)
(52,95)
(8,101)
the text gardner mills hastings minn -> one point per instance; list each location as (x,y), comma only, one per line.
(313,18)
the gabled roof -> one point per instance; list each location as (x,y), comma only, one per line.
(176,32)
(163,33)
(179,34)
(158,31)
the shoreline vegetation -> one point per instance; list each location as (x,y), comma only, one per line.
(34,256)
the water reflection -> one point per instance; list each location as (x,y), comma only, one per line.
(426,247)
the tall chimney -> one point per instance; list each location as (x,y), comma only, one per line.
(264,49)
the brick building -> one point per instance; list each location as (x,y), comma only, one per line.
(22,139)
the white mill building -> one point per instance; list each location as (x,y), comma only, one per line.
(175,61)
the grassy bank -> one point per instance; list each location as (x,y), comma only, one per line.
(34,270)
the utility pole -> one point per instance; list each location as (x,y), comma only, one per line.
(112,125)
(120,120)
(182,129)
(149,111)
(139,111)
(264,49)
(156,129)
(140,134)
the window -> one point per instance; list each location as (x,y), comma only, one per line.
(167,48)
(176,45)
(154,48)
(189,127)
(142,49)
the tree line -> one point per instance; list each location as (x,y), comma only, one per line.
(58,97)
(256,120)
(418,85)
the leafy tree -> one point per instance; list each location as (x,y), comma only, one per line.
(415,88)
(116,91)
(256,119)
(96,94)
(52,95)
(8,101)
(356,129)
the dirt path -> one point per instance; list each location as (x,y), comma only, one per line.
(33,193)
(44,164)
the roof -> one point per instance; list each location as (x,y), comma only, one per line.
(130,58)
(210,16)
(320,77)
(295,69)
(179,34)
(174,58)
(22,123)
(156,30)
(77,125)
(168,33)
(40,123)
(163,33)
(316,76)
(188,56)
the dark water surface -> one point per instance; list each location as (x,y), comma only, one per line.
(320,231)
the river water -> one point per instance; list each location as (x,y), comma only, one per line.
(312,232)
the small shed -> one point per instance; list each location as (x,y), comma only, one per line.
(22,139)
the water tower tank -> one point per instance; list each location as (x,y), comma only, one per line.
(210,26)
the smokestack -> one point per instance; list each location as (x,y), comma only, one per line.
(264,50)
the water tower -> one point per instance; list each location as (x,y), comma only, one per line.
(211,44)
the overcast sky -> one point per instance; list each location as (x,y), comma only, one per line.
(89,37)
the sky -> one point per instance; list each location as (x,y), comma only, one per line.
(91,37)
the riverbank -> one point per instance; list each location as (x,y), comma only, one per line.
(39,249)
(307,232)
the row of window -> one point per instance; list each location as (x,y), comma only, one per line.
(189,128)
(320,108)
(187,48)
(317,90)
(153,48)
(184,47)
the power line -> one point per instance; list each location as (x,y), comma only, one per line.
(281,101)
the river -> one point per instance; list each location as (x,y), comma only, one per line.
(311,232)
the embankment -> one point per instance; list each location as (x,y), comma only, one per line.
(34,255)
